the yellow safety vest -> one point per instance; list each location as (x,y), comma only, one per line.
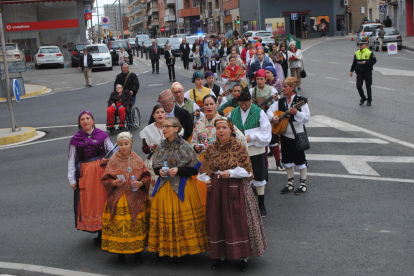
(365,54)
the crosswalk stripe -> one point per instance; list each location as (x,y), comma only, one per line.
(346,140)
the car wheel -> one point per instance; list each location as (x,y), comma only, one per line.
(110,68)
(37,66)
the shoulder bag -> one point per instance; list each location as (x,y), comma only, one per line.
(302,140)
(302,71)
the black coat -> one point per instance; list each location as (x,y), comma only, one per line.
(126,98)
(185,120)
(132,83)
(152,54)
(221,51)
(186,51)
(168,60)
(89,59)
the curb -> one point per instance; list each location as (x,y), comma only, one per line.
(408,48)
(18,137)
(42,90)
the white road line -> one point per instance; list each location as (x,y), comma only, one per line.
(39,142)
(331,78)
(156,84)
(46,270)
(359,177)
(386,88)
(347,140)
(144,72)
(311,74)
(405,50)
(331,62)
(316,61)
(351,81)
(320,43)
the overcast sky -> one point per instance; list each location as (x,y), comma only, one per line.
(101,3)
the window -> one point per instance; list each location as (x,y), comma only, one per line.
(10,47)
(391,32)
(49,50)
(98,49)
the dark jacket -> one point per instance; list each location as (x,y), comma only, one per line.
(126,98)
(152,54)
(185,120)
(256,66)
(369,62)
(89,59)
(221,51)
(132,82)
(167,56)
(185,51)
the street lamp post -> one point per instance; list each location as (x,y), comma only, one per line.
(120,17)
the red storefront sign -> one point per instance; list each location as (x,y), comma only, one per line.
(42,25)
(162,29)
(88,16)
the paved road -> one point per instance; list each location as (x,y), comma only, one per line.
(355,219)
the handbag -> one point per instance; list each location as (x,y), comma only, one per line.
(302,140)
(302,71)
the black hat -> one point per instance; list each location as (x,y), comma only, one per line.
(363,41)
(244,95)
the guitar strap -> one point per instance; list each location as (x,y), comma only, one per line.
(255,93)
(194,94)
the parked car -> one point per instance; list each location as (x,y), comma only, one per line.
(162,42)
(266,36)
(114,48)
(366,29)
(175,45)
(132,42)
(49,55)
(391,36)
(191,40)
(180,35)
(75,50)
(13,53)
(102,58)
(139,39)
(145,44)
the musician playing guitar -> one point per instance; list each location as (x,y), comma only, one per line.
(262,91)
(188,104)
(233,103)
(291,156)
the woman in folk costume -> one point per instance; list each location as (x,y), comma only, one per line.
(198,93)
(87,150)
(177,225)
(277,58)
(151,137)
(284,64)
(273,80)
(205,134)
(125,219)
(234,225)
(233,74)
(243,54)
(211,57)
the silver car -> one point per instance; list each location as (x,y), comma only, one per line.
(391,36)
(266,36)
(101,56)
(49,55)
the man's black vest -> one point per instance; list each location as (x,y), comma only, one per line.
(216,89)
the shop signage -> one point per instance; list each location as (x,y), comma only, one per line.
(88,16)
(14,67)
(42,25)
(168,28)
(162,29)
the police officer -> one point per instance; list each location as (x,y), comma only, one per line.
(363,63)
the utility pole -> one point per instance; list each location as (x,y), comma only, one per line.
(99,22)
(120,17)
(6,73)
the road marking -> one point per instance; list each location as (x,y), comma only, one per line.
(359,177)
(39,142)
(29,68)
(320,43)
(46,269)
(351,81)
(331,78)
(39,135)
(381,87)
(404,58)
(408,51)
(316,61)
(347,140)
(394,72)
(311,74)
(334,62)
(158,84)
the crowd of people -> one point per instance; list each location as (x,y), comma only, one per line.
(207,153)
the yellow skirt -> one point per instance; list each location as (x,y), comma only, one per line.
(177,228)
(120,235)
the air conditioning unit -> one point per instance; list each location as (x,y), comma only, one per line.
(344,3)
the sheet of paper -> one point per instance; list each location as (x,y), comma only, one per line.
(121,176)
(250,131)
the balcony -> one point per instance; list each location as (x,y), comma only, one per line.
(132,2)
(137,9)
(189,12)
(169,18)
(136,21)
(170,2)
(154,23)
(153,10)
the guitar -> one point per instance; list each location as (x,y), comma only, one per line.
(281,127)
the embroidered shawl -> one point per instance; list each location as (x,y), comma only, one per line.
(233,75)
(275,83)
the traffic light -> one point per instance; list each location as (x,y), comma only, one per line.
(238,19)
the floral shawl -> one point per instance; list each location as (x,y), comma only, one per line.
(233,75)
(276,84)
(118,165)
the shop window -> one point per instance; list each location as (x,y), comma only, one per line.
(316,22)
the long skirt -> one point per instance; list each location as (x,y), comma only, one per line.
(120,235)
(234,225)
(90,197)
(201,187)
(279,70)
(177,228)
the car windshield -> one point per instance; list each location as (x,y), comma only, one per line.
(142,37)
(10,47)
(98,49)
(49,50)
(391,32)
(80,47)
(162,40)
(148,41)
(175,41)
(131,39)
(118,44)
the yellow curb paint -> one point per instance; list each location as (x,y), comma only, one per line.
(42,90)
(18,137)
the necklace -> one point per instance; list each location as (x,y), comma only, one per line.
(129,169)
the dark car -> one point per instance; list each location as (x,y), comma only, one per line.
(139,39)
(75,50)
(162,42)
(114,48)
(145,44)
(175,45)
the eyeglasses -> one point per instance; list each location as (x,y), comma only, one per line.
(167,126)
(244,104)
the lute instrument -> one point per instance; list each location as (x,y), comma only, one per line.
(281,127)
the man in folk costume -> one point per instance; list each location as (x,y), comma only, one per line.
(198,93)
(262,91)
(188,104)
(210,79)
(255,125)
(260,63)
(291,156)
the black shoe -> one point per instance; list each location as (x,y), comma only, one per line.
(263,212)
(302,188)
(369,103)
(98,240)
(243,266)
(362,101)
(299,88)
(157,258)
(178,261)
(174,80)
(138,258)
(270,153)
(217,263)
(153,72)
(170,80)
(289,187)
(121,259)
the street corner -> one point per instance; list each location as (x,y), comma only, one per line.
(32,90)
(8,137)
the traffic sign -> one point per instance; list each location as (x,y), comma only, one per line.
(16,90)
(88,16)
(349,10)
(382,8)
(105,26)
(294,16)
(392,48)
(105,20)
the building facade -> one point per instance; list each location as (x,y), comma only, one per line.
(401,12)
(113,13)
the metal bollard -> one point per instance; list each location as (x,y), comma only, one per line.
(146,54)
(142,52)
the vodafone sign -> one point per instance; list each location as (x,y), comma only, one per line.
(88,16)
(42,25)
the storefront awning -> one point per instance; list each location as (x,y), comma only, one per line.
(288,13)
(9,2)
(126,32)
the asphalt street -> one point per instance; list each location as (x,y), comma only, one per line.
(355,218)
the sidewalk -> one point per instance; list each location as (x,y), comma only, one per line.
(32,90)
(8,137)
(408,43)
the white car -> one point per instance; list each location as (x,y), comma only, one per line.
(101,56)
(266,36)
(132,42)
(49,55)
(13,53)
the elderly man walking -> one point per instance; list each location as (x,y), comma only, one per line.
(154,54)
(86,63)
